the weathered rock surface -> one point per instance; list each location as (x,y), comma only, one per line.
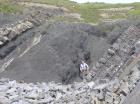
(64,49)
(119,54)
(107,91)
(36,50)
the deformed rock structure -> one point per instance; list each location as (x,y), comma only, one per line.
(106,86)
(119,54)
(110,81)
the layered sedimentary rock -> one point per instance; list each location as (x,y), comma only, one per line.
(113,90)
(119,55)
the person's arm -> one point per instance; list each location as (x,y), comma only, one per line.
(81,67)
(87,67)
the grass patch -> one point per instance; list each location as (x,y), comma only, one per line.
(90,12)
(7,6)
(134,12)
(66,19)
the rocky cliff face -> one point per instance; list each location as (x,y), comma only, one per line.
(56,54)
(37,49)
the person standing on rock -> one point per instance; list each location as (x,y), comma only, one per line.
(84,69)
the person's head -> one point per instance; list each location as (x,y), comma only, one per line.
(82,62)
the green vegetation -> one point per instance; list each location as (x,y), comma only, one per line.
(136,10)
(6,6)
(90,12)
(67,19)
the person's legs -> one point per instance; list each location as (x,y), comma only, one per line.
(81,74)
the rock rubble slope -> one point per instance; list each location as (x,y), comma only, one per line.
(106,91)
